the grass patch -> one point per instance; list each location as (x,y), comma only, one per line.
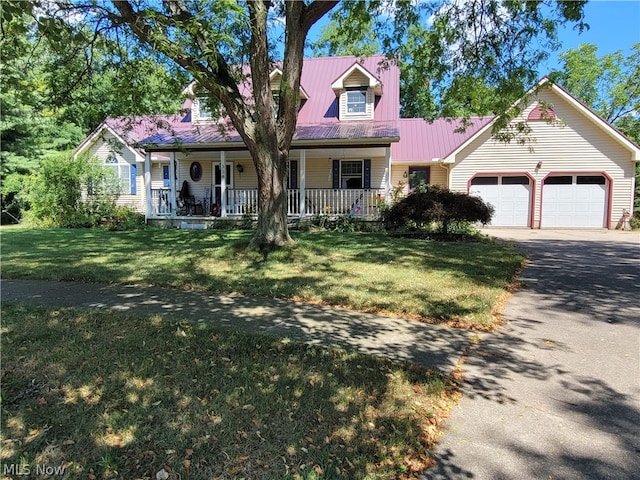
(104,395)
(440,282)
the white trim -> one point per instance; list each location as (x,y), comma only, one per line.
(96,135)
(147,184)
(374,82)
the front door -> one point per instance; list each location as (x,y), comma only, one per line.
(217,200)
(419,176)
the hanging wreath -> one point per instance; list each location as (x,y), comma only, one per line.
(195,171)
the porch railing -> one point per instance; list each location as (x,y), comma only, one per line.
(160,201)
(361,203)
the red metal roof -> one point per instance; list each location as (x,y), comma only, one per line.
(322,106)
(422,141)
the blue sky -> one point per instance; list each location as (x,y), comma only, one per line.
(615,25)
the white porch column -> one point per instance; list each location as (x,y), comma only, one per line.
(303,181)
(223,184)
(387,173)
(172,182)
(147,185)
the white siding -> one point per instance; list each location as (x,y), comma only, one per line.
(574,144)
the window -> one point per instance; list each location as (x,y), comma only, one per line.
(516,180)
(590,180)
(485,181)
(356,100)
(560,180)
(121,171)
(276,103)
(418,176)
(204,111)
(351,173)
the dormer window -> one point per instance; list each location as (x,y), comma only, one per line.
(356,90)
(205,106)
(276,103)
(204,110)
(356,100)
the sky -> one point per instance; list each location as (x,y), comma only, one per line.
(614,25)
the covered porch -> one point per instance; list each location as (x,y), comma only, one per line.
(197,186)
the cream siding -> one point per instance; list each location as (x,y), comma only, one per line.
(574,144)
(356,79)
(104,147)
(437,176)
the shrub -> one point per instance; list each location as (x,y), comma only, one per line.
(76,192)
(436,205)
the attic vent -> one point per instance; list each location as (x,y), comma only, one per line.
(543,113)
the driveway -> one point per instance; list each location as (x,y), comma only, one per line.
(555,394)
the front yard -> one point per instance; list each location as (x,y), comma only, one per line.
(458,283)
(94,395)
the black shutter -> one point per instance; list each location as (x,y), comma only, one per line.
(293,174)
(336,174)
(367,174)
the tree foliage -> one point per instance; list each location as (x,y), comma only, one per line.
(58,84)
(610,85)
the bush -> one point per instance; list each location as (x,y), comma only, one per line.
(77,192)
(436,206)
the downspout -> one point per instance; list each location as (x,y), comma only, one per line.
(446,168)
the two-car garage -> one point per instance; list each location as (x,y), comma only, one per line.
(566,200)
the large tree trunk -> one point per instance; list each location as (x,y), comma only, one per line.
(272,230)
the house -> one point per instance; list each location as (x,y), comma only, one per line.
(351,148)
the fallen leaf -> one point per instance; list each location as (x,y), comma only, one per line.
(68,442)
(188,452)
(42,401)
(162,475)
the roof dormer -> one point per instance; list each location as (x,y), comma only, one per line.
(356,90)
(275,78)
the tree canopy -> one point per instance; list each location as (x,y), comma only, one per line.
(610,85)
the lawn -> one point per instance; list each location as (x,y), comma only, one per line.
(104,395)
(455,283)
(95,395)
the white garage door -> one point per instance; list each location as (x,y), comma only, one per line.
(509,195)
(574,201)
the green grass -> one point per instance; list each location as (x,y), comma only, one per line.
(440,282)
(103,395)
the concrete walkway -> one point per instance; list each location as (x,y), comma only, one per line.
(395,338)
(555,394)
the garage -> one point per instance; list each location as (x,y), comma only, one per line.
(574,201)
(510,195)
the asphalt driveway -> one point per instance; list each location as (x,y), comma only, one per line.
(555,394)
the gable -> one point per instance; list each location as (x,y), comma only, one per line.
(561,110)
